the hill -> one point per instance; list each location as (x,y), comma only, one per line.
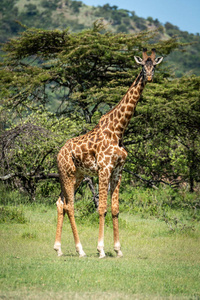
(59,14)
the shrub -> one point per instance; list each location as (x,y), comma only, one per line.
(11,197)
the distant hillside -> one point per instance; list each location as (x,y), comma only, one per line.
(52,14)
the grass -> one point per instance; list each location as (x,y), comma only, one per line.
(11,214)
(158,263)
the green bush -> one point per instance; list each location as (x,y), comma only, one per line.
(9,196)
(175,208)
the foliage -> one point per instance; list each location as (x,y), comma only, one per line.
(29,151)
(8,26)
(168,121)
(164,204)
(12,215)
(56,85)
(9,196)
(77,16)
(83,68)
(184,62)
(176,208)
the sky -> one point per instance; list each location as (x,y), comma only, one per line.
(183,13)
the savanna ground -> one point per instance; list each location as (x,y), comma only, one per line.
(160,238)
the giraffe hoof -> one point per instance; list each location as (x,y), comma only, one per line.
(79,250)
(120,255)
(57,248)
(59,252)
(82,255)
(101,252)
(102,256)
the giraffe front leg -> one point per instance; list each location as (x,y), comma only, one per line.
(115,185)
(103,193)
(100,246)
(61,213)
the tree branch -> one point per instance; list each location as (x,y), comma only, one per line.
(148,182)
(31,175)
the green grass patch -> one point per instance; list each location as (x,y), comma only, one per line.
(29,235)
(158,263)
(159,234)
(12,215)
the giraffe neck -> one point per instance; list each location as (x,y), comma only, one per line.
(121,114)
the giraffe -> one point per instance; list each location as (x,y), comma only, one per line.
(100,152)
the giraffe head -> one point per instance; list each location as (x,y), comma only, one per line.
(148,64)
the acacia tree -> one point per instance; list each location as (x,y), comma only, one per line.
(61,76)
(86,68)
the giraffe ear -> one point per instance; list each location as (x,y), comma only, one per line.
(158,60)
(139,60)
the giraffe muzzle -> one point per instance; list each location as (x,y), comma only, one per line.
(149,78)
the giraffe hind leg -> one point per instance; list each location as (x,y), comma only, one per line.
(68,186)
(61,213)
(115,185)
(69,180)
(103,193)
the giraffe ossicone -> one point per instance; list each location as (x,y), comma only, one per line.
(100,152)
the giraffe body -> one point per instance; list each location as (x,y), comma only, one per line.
(99,152)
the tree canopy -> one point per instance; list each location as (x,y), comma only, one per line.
(55,85)
(75,15)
